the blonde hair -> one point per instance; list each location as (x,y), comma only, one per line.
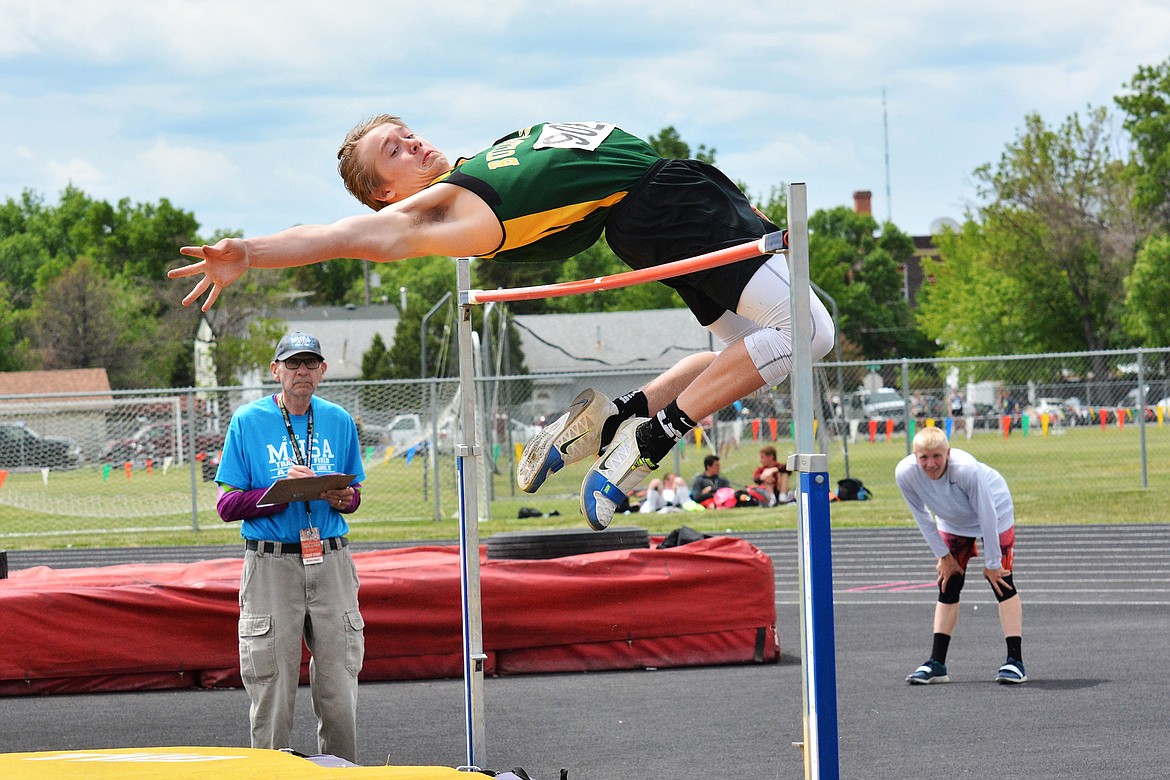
(930,438)
(358,178)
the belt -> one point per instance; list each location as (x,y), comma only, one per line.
(293,548)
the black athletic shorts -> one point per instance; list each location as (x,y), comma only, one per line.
(684,208)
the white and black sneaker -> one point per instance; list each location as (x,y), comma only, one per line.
(621,469)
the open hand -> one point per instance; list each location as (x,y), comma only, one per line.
(947,567)
(997,579)
(221,264)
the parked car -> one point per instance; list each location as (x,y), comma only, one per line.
(407,430)
(22,447)
(156,441)
(373,436)
(879,405)
(520,433)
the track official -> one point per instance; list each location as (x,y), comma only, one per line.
(299,584)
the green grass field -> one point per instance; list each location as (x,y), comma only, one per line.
(1083,475)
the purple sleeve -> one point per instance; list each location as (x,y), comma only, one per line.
(241,504)
(355,501)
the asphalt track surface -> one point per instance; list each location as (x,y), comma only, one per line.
(1096,602)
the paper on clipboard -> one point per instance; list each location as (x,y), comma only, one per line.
(285,491)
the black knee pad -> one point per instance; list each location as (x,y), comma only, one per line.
(950,594)
(1008,588)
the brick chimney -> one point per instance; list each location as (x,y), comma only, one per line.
(861,201)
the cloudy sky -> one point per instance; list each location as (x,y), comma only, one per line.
(234,110)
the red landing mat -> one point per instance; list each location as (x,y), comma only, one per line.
(135,627)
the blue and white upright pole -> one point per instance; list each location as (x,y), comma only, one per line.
(818,654)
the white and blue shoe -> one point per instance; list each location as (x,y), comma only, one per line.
(573,436)
(930,673)
(621,469)
(1011,673)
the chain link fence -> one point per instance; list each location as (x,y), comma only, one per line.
(1087,406)
(128,460)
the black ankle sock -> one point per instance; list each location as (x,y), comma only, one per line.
(632,404)
(938,650)
(1015,647)
(666,430)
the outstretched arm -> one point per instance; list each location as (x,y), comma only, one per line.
(440,220)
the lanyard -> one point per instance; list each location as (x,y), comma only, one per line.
(303,459)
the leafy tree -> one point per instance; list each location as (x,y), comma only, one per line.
(70,322)
(139,240)
(972,307)
(1147,107)
(1059,223)
(146,237)
(376,361)
(427,281)
(22,249)
(858,269)
(127,247)
(242,331)
(669,144)
(428,278)
(332,283)
(1148,293)
(775,208)
(9,333)
(402,359)
(245,346)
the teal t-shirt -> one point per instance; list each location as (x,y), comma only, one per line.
(257,452)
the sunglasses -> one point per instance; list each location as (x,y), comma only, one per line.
(310,363)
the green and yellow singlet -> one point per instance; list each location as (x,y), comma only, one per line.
(551,184)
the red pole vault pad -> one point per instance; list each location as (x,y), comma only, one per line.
(138,627)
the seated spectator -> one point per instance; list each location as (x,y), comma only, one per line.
(674,490)
(765,488)
(653,501)
(665,495)
(773,474)
(709,481)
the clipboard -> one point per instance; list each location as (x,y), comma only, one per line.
(285,491)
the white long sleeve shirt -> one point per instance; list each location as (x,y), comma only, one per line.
(969,499)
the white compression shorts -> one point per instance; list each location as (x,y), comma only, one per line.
(763,322)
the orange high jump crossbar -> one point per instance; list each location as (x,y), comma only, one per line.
(770,244)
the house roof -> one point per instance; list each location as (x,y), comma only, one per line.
(653,339)
(71,380)
(345,333)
